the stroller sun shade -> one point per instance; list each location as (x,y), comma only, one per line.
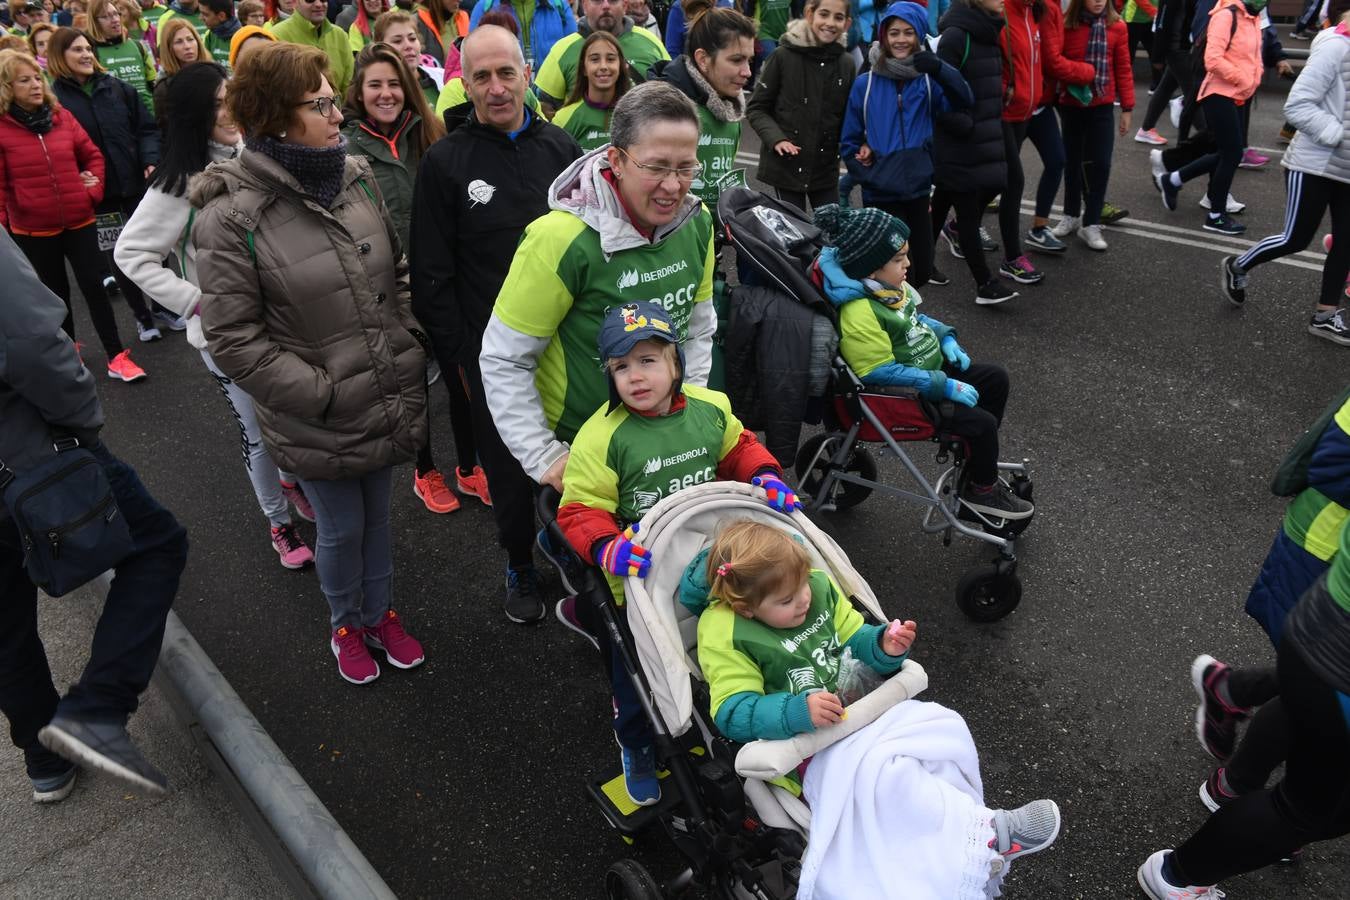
(778,239)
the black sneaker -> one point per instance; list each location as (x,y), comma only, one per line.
(1224,224)
(104,746)
(1332,326)
(111,286)
(524,599)
(1233,281)
(999,503)
(987,243)
(1215,721)
(1168,190)
(993,292)
(565,562)
(939,277)
(953,240)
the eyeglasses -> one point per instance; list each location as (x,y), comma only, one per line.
(661,173)
(321,105)
(109,17)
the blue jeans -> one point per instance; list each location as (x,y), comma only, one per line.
(126,639)
(354,553)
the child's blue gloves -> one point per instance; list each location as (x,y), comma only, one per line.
(955,355)
(960,392)
(620,556)
(780,496)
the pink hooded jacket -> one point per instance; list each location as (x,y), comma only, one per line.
(1232,64)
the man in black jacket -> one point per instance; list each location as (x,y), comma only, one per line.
(476,191)
(45,390)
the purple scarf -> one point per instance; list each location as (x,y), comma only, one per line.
(1097,53)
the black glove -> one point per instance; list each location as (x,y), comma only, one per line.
(927,62)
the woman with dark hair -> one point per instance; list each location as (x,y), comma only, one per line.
(305,305)
(51,178)
(602,78)
(120,125)
(713,72)
(200,132)
(391,126)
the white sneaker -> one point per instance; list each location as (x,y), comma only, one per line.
(1151,880)
(1067,226)
(1234,205)
(1155,163)
(1174,111)
(147,333)
(1092,236)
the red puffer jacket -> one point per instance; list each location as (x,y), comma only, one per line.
(40,188)
(1057,68)
(1120,83)
(1021,43)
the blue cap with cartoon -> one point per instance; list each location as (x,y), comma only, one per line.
(625,325)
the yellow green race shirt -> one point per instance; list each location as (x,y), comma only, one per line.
(561,284)
(558,73)
(717,143)
(587,124)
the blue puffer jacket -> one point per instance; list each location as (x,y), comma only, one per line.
(553,20)
(893,116)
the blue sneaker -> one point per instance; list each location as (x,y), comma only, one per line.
(54,788)
(639,775)
(565,561)
(1168,190)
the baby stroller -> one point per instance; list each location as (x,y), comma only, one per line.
(741,840)
(835,470)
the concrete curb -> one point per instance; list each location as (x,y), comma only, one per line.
(330,862)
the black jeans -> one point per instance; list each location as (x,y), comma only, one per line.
(969,206)
(1043,132)
(1225,124)
(79,245)
(1310,803)
(126,638)
(1307,200)
(1010,201)
(979,424)
(1089,138)
(817,198)
(914,213)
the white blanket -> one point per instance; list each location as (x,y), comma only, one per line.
(897,811)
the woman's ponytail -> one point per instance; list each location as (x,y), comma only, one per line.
(713,28)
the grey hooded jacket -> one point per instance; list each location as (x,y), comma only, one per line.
(1319,107)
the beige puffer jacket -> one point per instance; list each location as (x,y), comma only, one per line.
(308,310)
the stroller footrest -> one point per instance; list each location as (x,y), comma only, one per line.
(625,816)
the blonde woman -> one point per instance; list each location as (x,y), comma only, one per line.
(125,59)
(178,44)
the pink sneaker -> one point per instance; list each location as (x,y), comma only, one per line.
(354,661)
(121,368)
(294,552)
(400,648)
(1253,160)
(295,495)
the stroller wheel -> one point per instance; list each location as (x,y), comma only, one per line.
(985,595)
(813,461)
(627,879)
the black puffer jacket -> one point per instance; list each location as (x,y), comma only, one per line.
(119,124)
(968,145)
(801,97)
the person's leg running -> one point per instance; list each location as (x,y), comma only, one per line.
(377,546)
(1306,199)
(80,246)
(340,518)
(1262,749)
(130,628)
(969,206)
(262,471)
(1226,125)
(1162,95)
(1010,200)
(1043,130)
(1098,144)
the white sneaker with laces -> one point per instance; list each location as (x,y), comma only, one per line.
(1067,226)
(1155,163)
(1092,236)
(1174,111)
(1234,204)
(1152,881)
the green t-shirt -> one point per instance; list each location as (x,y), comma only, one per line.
(872,334)
(219,48)
(717,145)
(327,37)
(129,61)
(558,74)
(195,18)
(561,284)
(590,126)
(153,14)
(772,16)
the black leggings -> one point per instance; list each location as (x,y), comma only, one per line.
(1177,74)
(969,206)
(1089,138)
(1310,803)
(979,424)
(1225,124)
(1307,199)
(1043,132)
(79,245)
(1010,201)
(914,213)
(817,198)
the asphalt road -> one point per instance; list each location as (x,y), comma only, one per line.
(1153,415)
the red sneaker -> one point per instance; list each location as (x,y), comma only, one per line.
(354,661)
(475,484)
(123,369)
(400,648)
(294,552)
(431,490)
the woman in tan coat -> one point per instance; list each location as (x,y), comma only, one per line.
(306,306)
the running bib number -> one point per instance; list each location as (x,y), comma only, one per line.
(109,229)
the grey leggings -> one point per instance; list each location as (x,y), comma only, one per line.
(264,474)
(354,552)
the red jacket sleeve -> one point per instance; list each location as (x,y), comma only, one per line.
(746,460)
(1054,63)
(88,156)
(1121,66)
(584,526)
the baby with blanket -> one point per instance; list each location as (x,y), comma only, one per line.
(771,635)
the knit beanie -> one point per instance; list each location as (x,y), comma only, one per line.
(865,238)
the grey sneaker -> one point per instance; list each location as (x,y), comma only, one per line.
(104,746)
(1044,240)
(987,243)
(524,600)
(1025,830)
(1067,226)
(999,503)
(54,788)
(1233,281)
(1332,326)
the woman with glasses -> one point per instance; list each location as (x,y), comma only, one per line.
(125,59)
(305,306)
